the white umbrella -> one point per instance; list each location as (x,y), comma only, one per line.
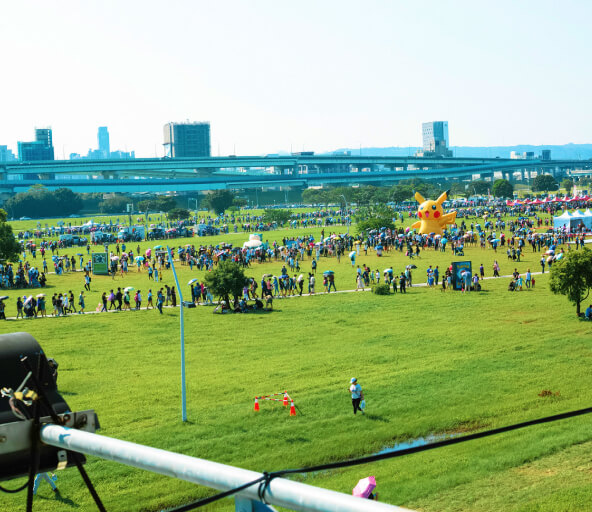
(128,289)
(253,244)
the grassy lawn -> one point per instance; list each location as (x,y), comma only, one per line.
(429,362)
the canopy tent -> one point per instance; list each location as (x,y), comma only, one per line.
(571,221)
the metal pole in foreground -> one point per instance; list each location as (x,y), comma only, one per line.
(281,492)
(182,322)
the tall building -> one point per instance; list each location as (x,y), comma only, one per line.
(6,154)
(39,149)
(435,138)
(187,139)
(103,140)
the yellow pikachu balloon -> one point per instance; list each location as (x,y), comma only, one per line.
(431,215)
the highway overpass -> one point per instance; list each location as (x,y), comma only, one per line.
(188,174)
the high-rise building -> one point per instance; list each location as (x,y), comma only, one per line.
(187,139)
(435,138)
(103,140)
(6,155)
(40,149)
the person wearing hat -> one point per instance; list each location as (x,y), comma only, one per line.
(356,393)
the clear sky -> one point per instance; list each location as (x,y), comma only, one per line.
(313,75)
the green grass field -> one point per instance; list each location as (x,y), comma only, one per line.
(429,363)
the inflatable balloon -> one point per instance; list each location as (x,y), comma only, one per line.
(431,215)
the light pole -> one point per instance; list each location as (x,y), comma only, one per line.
(346,213)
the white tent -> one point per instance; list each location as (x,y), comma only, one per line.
(571,221)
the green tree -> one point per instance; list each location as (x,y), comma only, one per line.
(315,196)
(375,223)
(458,188)
(479,187)
(544,183)
(166,203)
(567,184)
(279,216)
(38,201)
(115,204)
(226,280)
(502,188)
(149,205)
(179,214)
(400,193)
(572,277)
(219,200)
(239,202)
(9,247)
(70,202)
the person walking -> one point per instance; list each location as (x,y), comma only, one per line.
(150,304)
(356,394)
(159,300)
(81,303)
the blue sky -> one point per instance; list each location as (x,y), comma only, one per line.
(307,75)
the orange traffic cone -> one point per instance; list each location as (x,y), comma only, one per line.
(256,404)
(285,399)
(292,409)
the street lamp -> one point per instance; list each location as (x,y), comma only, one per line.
(346,219)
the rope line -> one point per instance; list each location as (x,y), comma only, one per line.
(265,480)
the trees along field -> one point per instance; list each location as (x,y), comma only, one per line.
(9,247)
(572,277)
(502,188)
(544,183)
(226,280)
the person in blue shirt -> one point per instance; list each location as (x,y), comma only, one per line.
(356,393)
(589,312)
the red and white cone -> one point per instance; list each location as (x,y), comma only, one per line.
(292,409)
(256,404)
(285,399)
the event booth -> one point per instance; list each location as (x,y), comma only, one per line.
(571,221)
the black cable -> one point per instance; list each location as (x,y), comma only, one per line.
(34,465)
(13,491)
(215,497)
(437,444)
(89,484)
(266,478)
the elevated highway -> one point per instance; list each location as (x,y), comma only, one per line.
(187,174)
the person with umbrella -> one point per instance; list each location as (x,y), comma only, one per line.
(364,488)
(356,394)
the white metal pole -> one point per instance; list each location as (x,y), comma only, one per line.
(182,322)
(280,492)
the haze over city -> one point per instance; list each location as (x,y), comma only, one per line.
(309,76)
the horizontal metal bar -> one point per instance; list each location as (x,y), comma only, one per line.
(281,492)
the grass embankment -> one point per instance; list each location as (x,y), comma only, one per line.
(429,362)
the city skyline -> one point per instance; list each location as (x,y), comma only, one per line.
(313,77)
